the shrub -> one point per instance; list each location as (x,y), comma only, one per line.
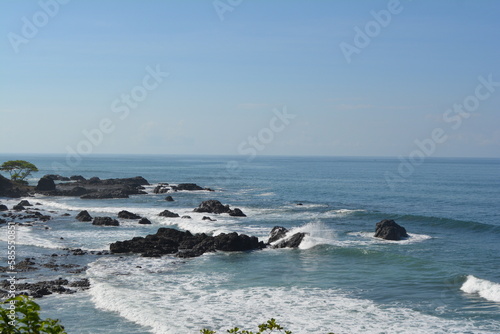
(21,315)
(268,327)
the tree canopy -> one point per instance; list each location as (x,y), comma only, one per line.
(19,170)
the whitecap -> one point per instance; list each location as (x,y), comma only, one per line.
(485,289)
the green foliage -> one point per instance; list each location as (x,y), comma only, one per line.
(19,170)
(269,327)
(21,315)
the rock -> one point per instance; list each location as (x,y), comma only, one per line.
(18,207)
(388,229)
(292,242)
(105,221)
(56,177)
(214,206)
(128,215)
(161,189)
(84,216)
(3,207)
(144,221)
(278,232)
(185,244)
(94,180)
(186,217)
(45,184)
(187,187)
(76,191)
(11,189)
(105,195)
(24,203)
(169,199)
(168,214)
(236,213)
(77,178)
(208,218)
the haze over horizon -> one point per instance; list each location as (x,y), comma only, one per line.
(323,78)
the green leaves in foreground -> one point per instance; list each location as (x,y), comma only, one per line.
(269,327)
(21,315)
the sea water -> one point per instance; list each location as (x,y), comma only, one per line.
(444,278)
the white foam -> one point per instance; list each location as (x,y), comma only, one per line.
(185,303)
(486,289)
(370,239)
(30,236)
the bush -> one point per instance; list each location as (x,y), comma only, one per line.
(21,316)
(269,327)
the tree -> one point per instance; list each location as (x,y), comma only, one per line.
(22,315)
(268,327)
(19,170)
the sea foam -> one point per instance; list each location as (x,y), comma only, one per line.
(486,289)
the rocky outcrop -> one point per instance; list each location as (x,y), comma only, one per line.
(169,199)
(3,207)
(56,177)
(45,184)
(84,216)
(168,214)
(11,189)
(185,244)
(44,288)
(144,221)
(25,203)
(105,221)
(214,206)
(128,215)
(388,229)
(93,188)
(279,236)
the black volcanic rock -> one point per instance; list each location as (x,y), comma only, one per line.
(169,199)
(236,213)
(11,189)
(77,178)
(84,216)
(25,203)
(293,242)
(128,215)
(56,177)
(105,221)
(45,184)
(3,207)
(144,221)
(168,214)
(278,232)
(185,244)
(214,206)
(388,229)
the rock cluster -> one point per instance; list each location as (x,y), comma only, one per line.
(214,206)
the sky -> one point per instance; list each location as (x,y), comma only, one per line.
(249,77)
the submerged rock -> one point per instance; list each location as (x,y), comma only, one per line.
(280,233)
(388,229)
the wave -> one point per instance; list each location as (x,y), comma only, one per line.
(450,223)
(412,238)
(211,300)
(485,289)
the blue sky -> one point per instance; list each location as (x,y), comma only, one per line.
(233,66)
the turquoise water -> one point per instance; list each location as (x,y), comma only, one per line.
(445,278)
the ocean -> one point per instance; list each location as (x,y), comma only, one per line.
(444,278)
